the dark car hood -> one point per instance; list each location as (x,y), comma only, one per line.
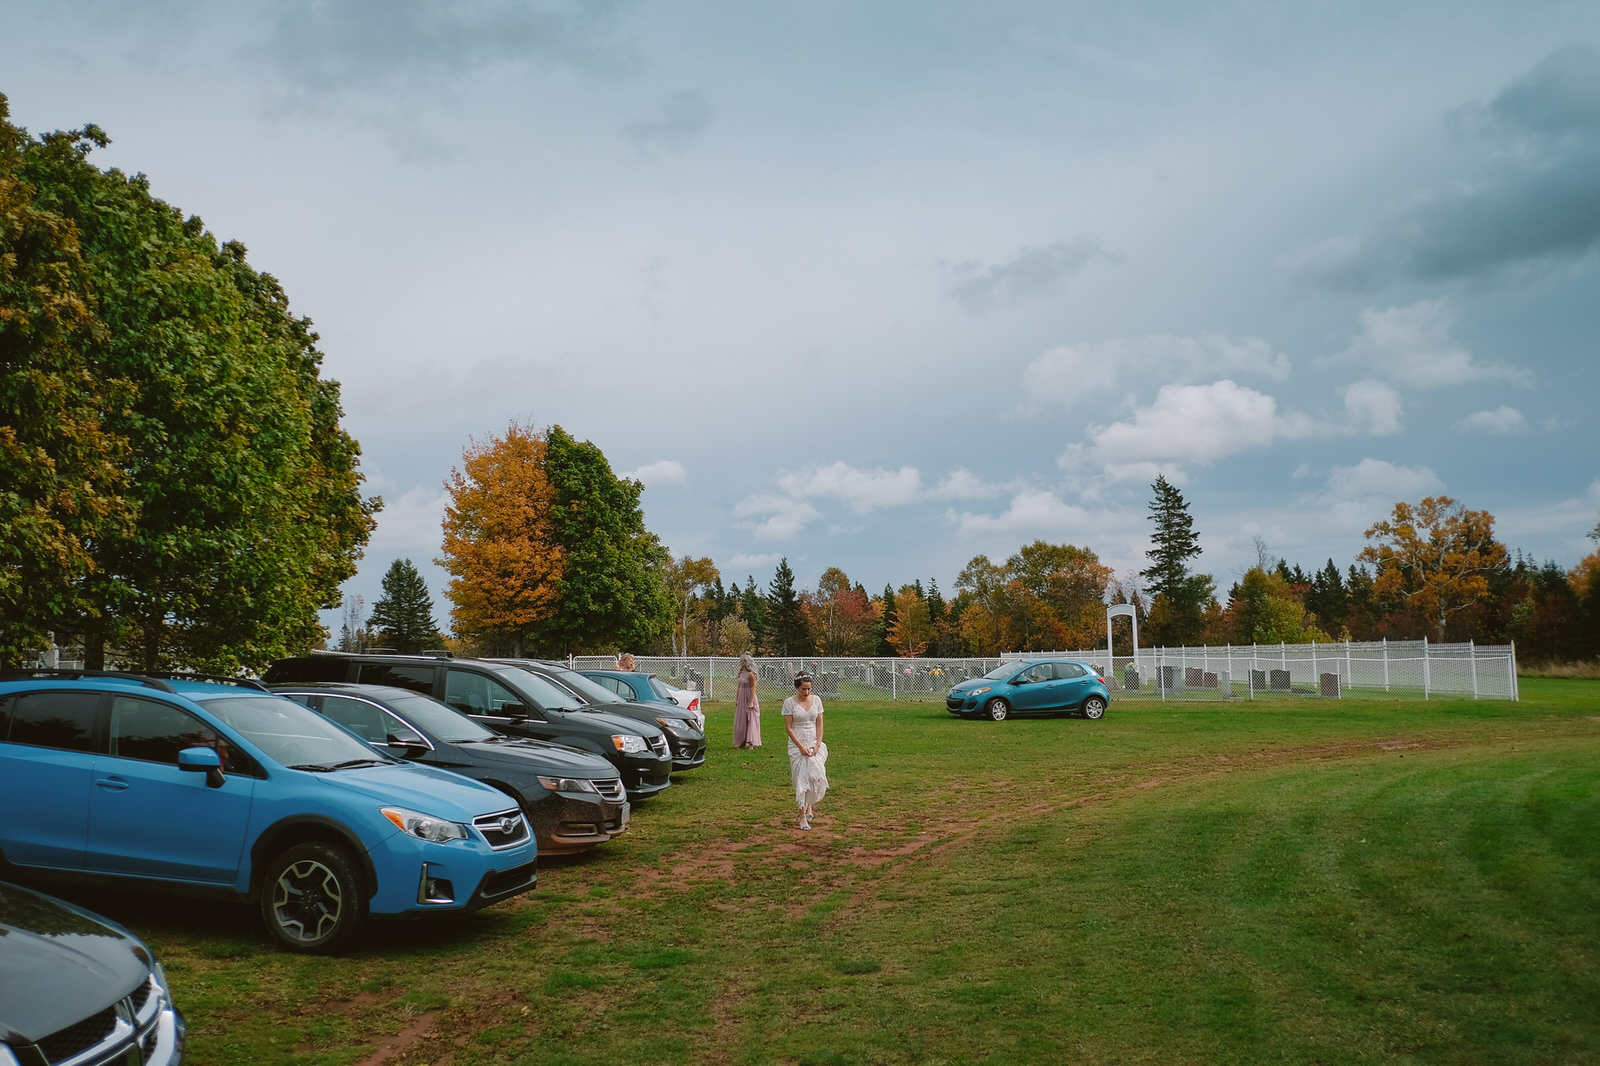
(643,712)
(56,960)
(555,759)
(622,723)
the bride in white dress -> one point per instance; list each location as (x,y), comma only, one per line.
(808,755)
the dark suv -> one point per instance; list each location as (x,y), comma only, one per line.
(506,699)
(684,735)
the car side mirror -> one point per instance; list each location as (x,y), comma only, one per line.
(203,761)
(408,745)
(515,710)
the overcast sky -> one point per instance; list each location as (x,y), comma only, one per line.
(887,285)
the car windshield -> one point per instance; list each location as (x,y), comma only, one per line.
(545,694)
(660,688)
(1005,669)
(293,735)
(589,690)
(443,721)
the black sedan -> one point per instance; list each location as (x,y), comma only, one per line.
(573,799)
(683,729)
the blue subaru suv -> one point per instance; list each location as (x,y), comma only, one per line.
(218,787)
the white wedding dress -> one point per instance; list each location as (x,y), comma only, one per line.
(810,773)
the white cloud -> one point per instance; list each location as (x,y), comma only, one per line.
(1413,346)
(749,564)
(773,517)
(1377,478)
(1187,425)
(1501,422)
(1064,374)
(1030,514)
(1373,407)
(863,490)
(660,472)
(962,484)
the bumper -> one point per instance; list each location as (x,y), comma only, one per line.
(569,823)
(687,753)
(417,877)
(645,776)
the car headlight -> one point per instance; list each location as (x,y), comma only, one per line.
(630,743)
(567,784)
(676,726)
(979,691)
(424,826)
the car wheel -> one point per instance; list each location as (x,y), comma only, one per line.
(998,709)
(1094,707)
(312,899)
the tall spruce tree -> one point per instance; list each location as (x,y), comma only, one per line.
(1177,613)
(786,633)
(403,615)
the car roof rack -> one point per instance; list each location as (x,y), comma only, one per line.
(212,679)
(51,674)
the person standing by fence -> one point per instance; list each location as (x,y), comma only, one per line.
(746,706)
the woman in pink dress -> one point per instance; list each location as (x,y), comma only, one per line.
(808,755)
(746,706)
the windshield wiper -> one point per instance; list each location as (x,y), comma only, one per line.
(314,767)
(358,762)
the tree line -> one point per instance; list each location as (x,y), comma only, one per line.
(174,480)
(549,556)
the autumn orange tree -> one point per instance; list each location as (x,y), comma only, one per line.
(1436,556)
(500,547)
(547,549)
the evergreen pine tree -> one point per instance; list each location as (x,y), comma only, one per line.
(1181,619)
(885,624)
(755,613)
(404,613)
(786,625)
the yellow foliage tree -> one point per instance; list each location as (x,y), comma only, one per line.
(500,546)
(1437,556)
(911,629)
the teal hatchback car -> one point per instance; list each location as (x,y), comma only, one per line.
(217,787)
(1032,686)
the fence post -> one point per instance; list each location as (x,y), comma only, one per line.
(1472,651)
(1426,665)
(1386,664)
(894,684)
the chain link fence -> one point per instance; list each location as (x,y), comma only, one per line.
(1353,670)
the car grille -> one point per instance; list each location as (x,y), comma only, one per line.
(105,1038)
(504,830)
(659,746)
(611,789)
(954,702)
(508,881)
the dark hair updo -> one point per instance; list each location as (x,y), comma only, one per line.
(801,678)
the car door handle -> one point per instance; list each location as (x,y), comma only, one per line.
(111,784)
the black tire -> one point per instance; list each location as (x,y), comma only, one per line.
(313,900)
(1094,707)
(997,709)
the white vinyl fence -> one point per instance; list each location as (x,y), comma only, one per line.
(1352,670)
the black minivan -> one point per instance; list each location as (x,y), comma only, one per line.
(506,699)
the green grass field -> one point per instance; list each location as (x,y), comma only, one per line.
(1299,882)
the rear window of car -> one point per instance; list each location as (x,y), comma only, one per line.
(54,720)
(309,668)
(417,677)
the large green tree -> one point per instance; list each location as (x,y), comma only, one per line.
(62,484)
(403,615)
(1179,598)
(241,489)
